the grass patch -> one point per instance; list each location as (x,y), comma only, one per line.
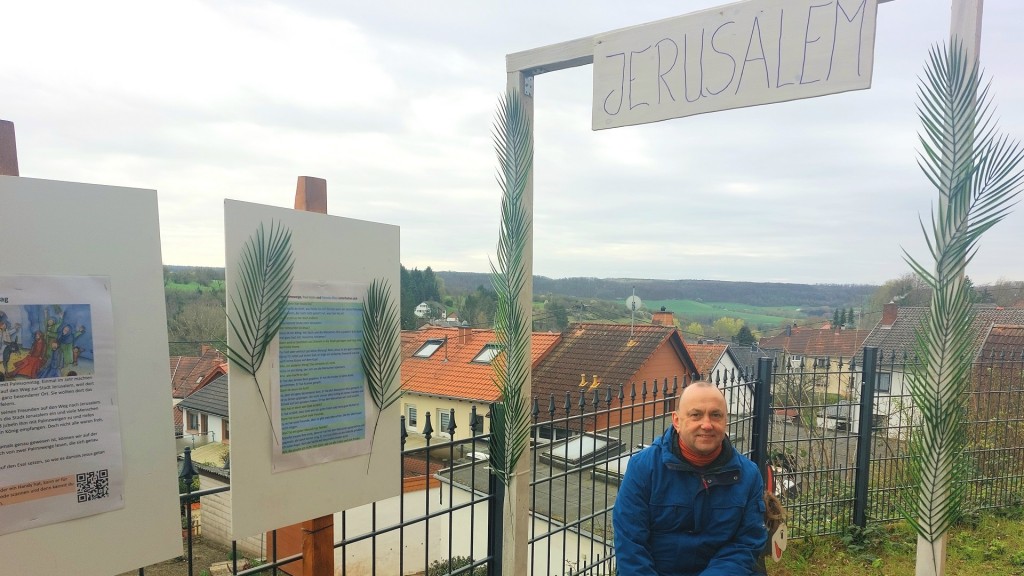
(751,315)
(990,544)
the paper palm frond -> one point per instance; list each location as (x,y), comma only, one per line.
(976,173)
(261,298)
(381,358)
(510,433)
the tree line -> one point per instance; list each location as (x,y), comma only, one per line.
(196,312)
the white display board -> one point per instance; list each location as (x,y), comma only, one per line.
(273,484)
(89,256)
(732,56)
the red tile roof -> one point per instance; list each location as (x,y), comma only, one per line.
(450,371)
(818,343)
(706,356)
(188,372)
(613,354)
(1004,342)
(179,420)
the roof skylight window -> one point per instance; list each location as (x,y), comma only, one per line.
(428,348)
(487,354)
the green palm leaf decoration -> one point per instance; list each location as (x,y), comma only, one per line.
(381,358)
(976,173)
(260,300)
(510,426)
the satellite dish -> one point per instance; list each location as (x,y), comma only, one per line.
(634,303)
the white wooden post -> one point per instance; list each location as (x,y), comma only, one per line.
(964,27)
(516,537)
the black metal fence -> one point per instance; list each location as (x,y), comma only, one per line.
(840,433)
(833,433)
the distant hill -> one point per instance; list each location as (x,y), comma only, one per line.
(753,293)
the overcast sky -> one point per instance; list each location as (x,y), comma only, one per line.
(392,103)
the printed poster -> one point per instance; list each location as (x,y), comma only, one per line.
(320,403)
(60,445)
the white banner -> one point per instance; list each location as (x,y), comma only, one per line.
(738,55)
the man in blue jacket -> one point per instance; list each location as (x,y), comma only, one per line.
(689,504)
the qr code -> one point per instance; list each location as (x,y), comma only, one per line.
(92,485)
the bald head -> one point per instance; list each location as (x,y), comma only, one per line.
(697,388)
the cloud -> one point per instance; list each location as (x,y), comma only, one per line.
(393,102)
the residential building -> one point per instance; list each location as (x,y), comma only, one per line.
(189,373)
(446,369)
(718,363)
(821,356)
(995,331)
(205,413)
(602,359)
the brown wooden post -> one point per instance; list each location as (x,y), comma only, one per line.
(8,149)
(317,534)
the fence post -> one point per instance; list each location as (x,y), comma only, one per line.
(762,414)
(187,473)
(865,424)
(495,520)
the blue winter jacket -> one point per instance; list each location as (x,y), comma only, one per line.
(673,519)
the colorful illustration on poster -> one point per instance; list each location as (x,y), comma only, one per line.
(42,341)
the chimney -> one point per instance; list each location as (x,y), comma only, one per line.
(889,312)
(465,332)
(663,318)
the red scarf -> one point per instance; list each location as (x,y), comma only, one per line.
(696,459)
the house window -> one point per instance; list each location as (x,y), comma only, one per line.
(410,416)
(884,383)
(443,418)
(479,424)
(428,348)
(193,420)
(487,354)
(204,424)
(821,362)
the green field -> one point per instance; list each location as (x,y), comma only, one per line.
(215,285)
(756,316)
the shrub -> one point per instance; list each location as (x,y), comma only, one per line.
(442,567)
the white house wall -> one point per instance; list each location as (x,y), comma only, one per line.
(434,405)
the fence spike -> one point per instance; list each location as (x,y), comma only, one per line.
(405,433)
(608,396)
(643,391)
(474,426)
(536,408)
(568,402)
(551,407)
(632,393)
(427,428)
(451,423)
(622,394)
